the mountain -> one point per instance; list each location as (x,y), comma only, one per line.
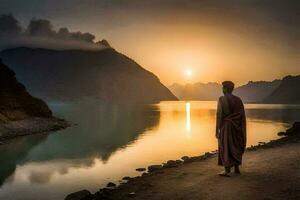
(21,113)
(67,75)
(256,91)
(15,102)
(197,91)
(253,91)
(287,92)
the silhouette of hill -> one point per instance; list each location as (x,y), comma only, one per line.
(20,113)
(15,102)
(69,75)
(253,91)
(197,91)
(256,91)
(287,92)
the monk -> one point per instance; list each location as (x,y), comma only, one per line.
(230,130)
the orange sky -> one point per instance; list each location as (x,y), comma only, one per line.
(211,53)
(215,39)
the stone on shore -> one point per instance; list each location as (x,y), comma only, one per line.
(141,169)
(127,178)
(153,168)
(131,194)
(184,158)
(171,163)
(80,195)
(111,184)
(281,133)
(294,130)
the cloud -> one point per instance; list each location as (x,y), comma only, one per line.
(9,25)
(41,33)
(40,27)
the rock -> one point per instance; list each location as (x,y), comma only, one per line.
(131,194)
(103,193)
(15,102)
(252,148)
(193,159)
(111,184)
(80,195)
(294,130)
(144,174)
(127,178)
(281,133)
(179,161)
(184,158)
(20,113)
(141,169)
(208,154)
(171,164)
(261,143)
(153,168)
(187,159)
(296,126)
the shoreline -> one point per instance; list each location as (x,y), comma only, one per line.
(30,126)
(138,187)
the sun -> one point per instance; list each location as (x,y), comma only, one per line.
(188,72)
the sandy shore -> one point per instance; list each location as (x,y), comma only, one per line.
(30,126)
(269,171)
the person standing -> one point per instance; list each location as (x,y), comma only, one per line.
(230,130)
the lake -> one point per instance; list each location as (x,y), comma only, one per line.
(111,141)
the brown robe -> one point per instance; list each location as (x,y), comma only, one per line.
(231,130)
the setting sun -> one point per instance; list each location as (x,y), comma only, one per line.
(188,72)
(138,97)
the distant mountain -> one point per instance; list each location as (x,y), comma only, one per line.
(197,91)
(287,92)
(253,91)
(256,91)
(67,75)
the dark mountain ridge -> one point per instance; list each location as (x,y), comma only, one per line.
(197,91)
(256,91)
(276,91)
(287,92)
(20,113)
(67,75)
(15,102)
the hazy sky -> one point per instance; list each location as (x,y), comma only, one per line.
(185,40)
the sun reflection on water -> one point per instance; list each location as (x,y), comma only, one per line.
(116,142)
(188,119)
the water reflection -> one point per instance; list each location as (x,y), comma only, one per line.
(110,141)
(285,115)
(188,119)
(14,153)
(101,130)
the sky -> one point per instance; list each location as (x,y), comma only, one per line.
(185,41)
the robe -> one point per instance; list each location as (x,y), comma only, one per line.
(231,130)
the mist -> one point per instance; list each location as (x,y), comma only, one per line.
(40,33)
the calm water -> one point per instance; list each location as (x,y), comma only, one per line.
(110,142)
